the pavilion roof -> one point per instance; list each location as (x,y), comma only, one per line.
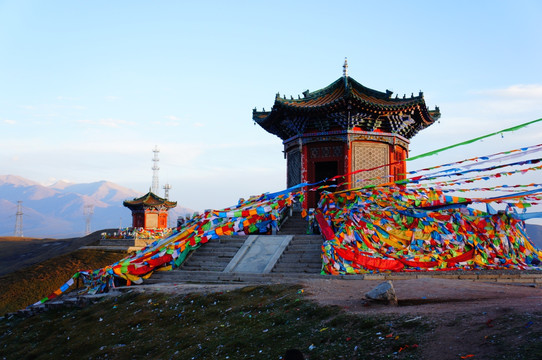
(149,200)
(370,110)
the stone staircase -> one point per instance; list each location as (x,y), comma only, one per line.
(214,255)
(208,264)
(303,255)
(294,225)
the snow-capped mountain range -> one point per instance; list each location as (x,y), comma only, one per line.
(58,210)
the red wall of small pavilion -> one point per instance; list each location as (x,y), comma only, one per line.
(138,219)
(162,220)
(142,220)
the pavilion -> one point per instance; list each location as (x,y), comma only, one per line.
(343,128)
(150,211)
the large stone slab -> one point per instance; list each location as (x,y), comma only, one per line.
(259,254)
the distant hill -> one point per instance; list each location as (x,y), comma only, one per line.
(535,233)
(57,211)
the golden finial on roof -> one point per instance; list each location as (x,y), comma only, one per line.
(345,67)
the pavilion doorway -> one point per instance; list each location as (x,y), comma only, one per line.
(323,170)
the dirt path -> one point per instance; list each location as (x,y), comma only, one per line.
(462,319)
(424,296)
(468,319)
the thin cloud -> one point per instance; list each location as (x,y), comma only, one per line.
(485,111)
(173,121)
(10,122)
(519,91)
(108,122)
(512,101)
(115,123)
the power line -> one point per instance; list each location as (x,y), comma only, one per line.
(167,187)
(155,186)
(88,212)
(19,219)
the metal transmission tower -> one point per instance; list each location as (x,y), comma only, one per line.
(88,211)
(155,187)
(19,220)
(167,187)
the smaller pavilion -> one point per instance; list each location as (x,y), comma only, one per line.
(149,211)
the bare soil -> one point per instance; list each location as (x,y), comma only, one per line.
(469,319)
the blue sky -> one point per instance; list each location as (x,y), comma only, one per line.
(87,89)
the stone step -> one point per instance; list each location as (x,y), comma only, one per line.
(220,246)
(202,261)
(207,260)
(211,244)
(308,237)
(301,253)
(229,251)
(297,268)
(203,268)
(209,256)
(203,257)
(292,221)
(199,261)
(305,247)
(296,262)
(314,241)
(294,226)
(225,243)
(297,230)
(299,265)
(316,259)
(220,277)
(300,250)
(297,271)
(302,259)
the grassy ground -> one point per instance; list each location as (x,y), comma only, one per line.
(258,323)
(17,253)
(250,323)
(24,287)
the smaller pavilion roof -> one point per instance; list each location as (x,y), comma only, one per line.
(149,200)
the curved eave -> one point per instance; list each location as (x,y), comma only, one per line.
(148,200)
(356,103)
(168,205)
(353,97)
(344,94)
